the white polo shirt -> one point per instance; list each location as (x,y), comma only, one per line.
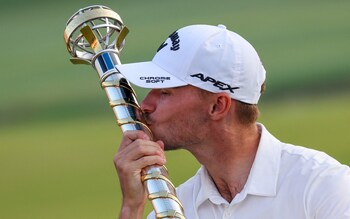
(285,182)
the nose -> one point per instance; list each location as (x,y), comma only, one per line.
(149,104)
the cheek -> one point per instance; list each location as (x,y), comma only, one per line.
(169,111)
(181,127)
(182,112)
(189,122)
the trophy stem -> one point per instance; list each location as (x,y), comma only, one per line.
(95,35)
(122,99)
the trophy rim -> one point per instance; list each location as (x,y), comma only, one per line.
(84,15)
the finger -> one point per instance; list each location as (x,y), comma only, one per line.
(130,136)
(140,148)
(150,161)
(135,168)
(129,165)
(161,144)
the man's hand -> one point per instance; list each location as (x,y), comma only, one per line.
(136,152)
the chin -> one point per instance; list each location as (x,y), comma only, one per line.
(171,148)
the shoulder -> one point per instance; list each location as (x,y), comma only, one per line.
(309,164)
(308,161)
(323,182)
(328,193)
(295,165)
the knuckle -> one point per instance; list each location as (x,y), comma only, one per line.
(145,161)
(119,162)
(139,142)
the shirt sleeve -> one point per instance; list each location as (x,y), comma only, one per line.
(329,194)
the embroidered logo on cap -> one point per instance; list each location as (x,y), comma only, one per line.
(154,80)
(219,84)
(175,42)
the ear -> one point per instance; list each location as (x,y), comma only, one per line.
(220,106)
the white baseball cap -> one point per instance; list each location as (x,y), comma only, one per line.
(208,57)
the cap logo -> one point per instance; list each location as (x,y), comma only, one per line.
(216,83)
(154,80)
(175,42)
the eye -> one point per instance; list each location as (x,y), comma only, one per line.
(164,92)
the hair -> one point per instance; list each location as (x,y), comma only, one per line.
(248,113)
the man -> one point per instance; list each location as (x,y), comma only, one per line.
(206,82)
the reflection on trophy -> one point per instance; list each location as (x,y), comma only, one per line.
(95,35)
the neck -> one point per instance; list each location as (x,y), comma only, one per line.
(235,151)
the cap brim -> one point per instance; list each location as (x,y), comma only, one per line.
(149,75)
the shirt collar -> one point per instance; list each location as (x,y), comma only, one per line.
(262,179)
(263,176)
(207,189)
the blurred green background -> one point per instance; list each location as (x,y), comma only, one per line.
(58,135)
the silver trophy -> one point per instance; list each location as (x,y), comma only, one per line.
(95,35)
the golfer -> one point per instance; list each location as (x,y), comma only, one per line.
(206,82)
